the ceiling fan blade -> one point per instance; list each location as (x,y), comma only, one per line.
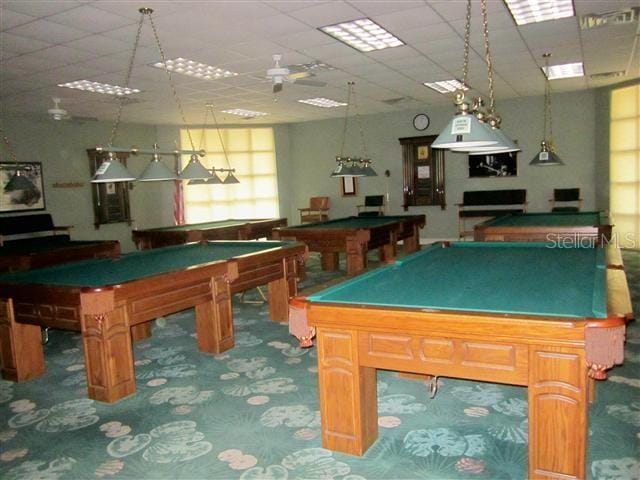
(277,87)
(310,83)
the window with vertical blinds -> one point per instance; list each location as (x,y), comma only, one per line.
(624,164)
(252,153)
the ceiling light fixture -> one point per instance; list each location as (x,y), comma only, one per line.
(446,86)
(97,87)
(195,69)
(547,155)
(362,34)
(469,128)
(353,166)
(567,70)
(112,170)
(244,113)
(534,11)
(323,102)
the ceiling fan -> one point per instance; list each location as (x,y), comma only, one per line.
(299,74)
(58,113)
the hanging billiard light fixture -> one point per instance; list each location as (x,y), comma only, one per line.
(111,170)
(467,129)
(353,166)
(547,155)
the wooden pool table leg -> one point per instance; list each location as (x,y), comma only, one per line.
(141,331)
(21,352)
(329,261)
(558,412)
(348,396)
(282,289)
(412,243)
(108,353)
(214,319)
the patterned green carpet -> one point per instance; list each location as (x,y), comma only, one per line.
(252,413)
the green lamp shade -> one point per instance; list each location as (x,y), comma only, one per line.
(111,171)
(368,170)
(214,180)
(230,179)
(194,170)
(546,157)
(463,131)
(157,171)
(504,145)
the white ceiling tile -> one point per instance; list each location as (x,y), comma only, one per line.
(39,9)
(10,19)
(81,19)
(46,31)
(322,14)
(18,44)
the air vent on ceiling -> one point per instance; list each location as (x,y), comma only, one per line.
(622,17)
(607,75)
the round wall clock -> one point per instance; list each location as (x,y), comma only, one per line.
(421,121)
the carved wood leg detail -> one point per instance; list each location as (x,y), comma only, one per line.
(21,350)
(108,354)
(329,261)
(348,396)
(214,319)
(558,413)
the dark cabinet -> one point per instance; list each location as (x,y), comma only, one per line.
(110,200)
(422,172)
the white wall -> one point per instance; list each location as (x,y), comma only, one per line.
(314,146)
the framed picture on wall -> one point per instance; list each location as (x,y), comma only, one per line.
(348,186)
(27,193)
(494,165)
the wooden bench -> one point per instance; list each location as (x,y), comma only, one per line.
(33,241)
(480,205)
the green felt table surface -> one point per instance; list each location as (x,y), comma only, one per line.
(551,219)
(354,222)
(207,225)
(492,277)
(141,264)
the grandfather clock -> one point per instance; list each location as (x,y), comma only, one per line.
(110,200)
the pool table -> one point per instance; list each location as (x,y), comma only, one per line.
(558,228)
(38,252)
(232,229)
(355,236)
(111,302)
(548,319)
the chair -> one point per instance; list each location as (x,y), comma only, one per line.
(566,195)
(373,206)
(317,211)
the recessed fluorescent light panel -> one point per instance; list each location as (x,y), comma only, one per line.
(323,102)
(446,86)
(568,70)
(533,11)
(363,34)
(244,113)
(195,69)
(96,87)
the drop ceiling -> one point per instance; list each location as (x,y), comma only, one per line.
(45,43)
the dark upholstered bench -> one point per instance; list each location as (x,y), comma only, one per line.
(479,205)
(33,241)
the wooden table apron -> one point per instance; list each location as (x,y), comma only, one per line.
(547,355)
(594,234)
(110,318)
(249,230)
(356,242)
(69,253)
